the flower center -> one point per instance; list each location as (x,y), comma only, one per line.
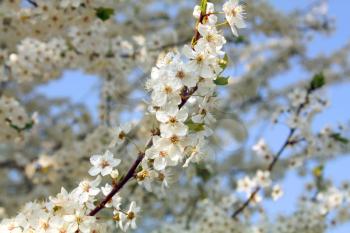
(168,89)
(199,59)
(78,219)
(45,225)
(161,176)
(174,139)
(104,163)
(131,215)
(142,175)
(163,154)
(180,74)
(86,186)
(172,120)
(209,37)
(116,217)
(122,135)
(234,12)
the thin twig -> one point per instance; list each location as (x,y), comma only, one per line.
(275,159)
(33,3)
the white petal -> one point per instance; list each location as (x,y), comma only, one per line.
(188,52)
(162,116)
(95,159)
(159,163)
(94,171)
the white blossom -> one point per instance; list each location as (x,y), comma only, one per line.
(234,12)
(103,164)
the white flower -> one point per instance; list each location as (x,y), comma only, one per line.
(262,178)
(198,151)
(166,90)
(79,221)
(103,164)
(58,225)
(10,226)
(116,200)
(277,192)
(131,216)
(118,217)
(60,201)
(162,155)
(211,37)
(297,97)
(174,145)
(146,176)
(234,13)
(165,177)
(172,120)
(262,150)
(246,185)
(184,73)
(119,134)
(87,189)
(329,200)
(67,3)
(200,60)
(204,115)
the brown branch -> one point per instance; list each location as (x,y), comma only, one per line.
(33,3)
(276,157)
(11,164)
(120,184)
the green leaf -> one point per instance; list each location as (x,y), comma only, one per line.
(318,171)
(27,126)
(317,81)
(221,81)
(339,138)
(104,13)
(240,39)
(223,62)
(203,172)
(196,127)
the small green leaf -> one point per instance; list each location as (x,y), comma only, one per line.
(223,62)
(221,81)
(317,81)
(27,126)
(318,171)
(104,13)
(240,39)
(339,138)
(196,127)
(203,172)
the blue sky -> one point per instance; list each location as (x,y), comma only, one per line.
(339,94)
(83,88)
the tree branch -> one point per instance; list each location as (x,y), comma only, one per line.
(141,155)
(276,157)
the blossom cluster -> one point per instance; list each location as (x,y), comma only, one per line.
(184,125)
(183,91)
(14,119)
